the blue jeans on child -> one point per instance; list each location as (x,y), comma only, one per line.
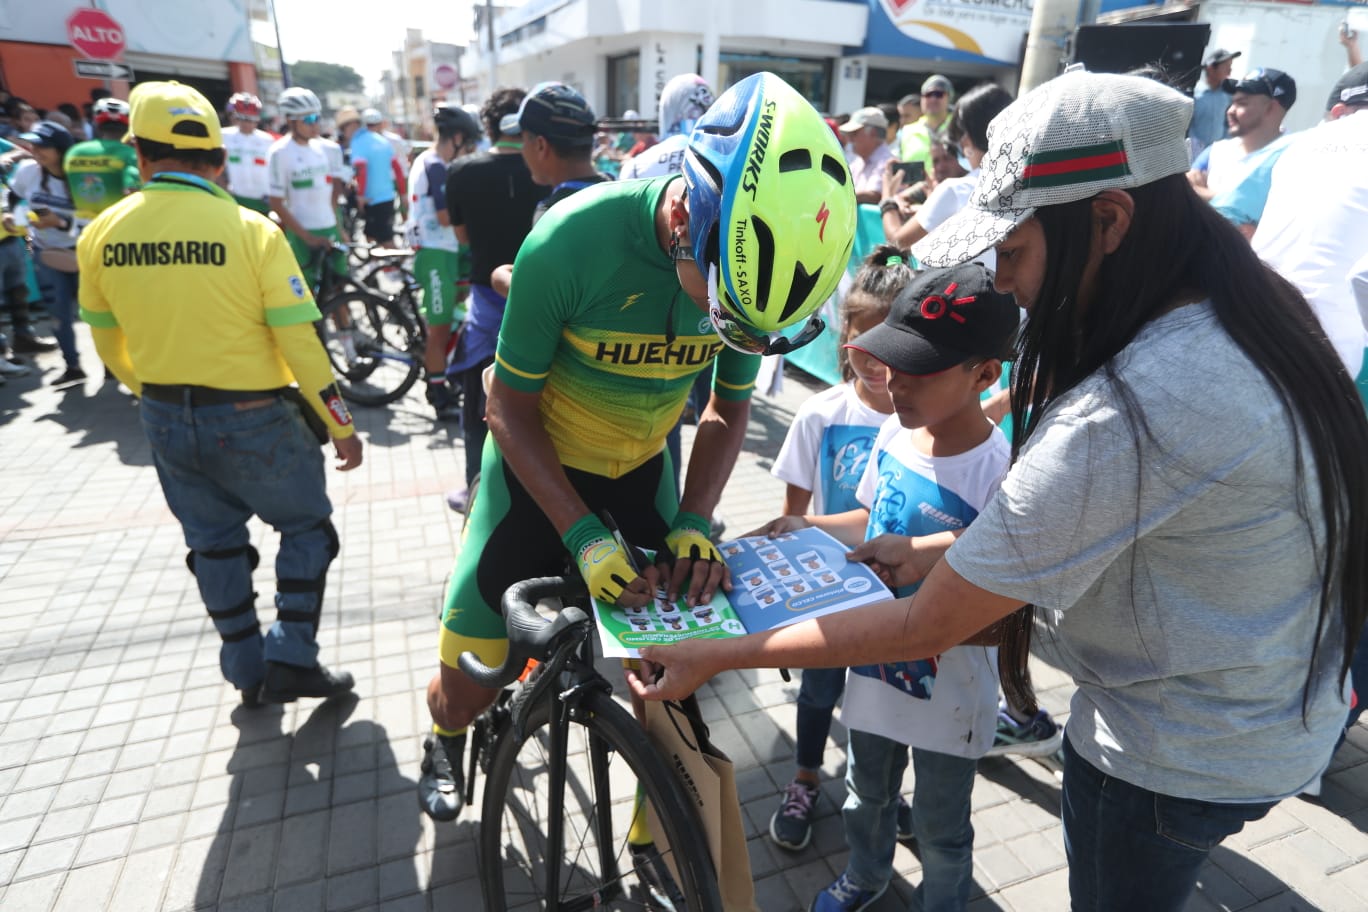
(64,287)
(818,692)
(1133,849)
(940,818)
(218,466)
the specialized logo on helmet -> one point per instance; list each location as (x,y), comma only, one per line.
(750,182)
(822,215)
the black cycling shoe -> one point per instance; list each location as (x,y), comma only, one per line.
(441,787)
(662,894)
(287,683)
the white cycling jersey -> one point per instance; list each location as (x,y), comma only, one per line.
(246,165)
(303,174)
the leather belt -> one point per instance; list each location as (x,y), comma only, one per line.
(176,394)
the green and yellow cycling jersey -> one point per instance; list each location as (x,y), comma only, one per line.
(597,323)
(100,173)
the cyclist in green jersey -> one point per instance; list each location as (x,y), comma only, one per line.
(624,294)
(103,170)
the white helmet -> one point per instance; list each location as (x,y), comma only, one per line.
(296,102)
(372,116)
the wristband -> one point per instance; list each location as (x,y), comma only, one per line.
(888,205)
(605,566)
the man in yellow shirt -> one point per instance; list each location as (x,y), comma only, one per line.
(198,306)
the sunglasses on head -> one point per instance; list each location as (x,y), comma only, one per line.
(934,93)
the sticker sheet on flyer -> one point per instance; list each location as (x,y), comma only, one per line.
(775,582)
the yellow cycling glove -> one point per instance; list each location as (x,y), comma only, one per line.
(604,564)
(688,539)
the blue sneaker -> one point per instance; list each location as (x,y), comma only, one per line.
(844,896)
(1040,737)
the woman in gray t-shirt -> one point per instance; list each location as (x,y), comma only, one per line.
(1186,511)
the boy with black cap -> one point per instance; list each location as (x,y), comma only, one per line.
(934,465)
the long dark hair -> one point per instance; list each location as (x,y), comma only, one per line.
(1179,249)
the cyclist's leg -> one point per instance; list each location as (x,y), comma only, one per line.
(304,257)
(436,274)
(508,539)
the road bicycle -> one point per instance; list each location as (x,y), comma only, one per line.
(567,772)
(375,348)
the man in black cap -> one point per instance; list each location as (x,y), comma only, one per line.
(557,127)
(1235,173)
(1209,109)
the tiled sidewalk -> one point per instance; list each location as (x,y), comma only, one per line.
(130,780)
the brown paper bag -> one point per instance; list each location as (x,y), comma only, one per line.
(709,780)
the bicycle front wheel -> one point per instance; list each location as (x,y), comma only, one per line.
(374,349)
(606,755)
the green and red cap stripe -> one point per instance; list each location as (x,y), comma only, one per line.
(1078,165)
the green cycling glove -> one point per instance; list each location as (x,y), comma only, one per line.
(605,566)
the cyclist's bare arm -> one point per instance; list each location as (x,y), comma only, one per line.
(721,431)
(515,422)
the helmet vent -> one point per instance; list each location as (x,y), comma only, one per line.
(799,290)
(795,160)
(833,169)
(764,241)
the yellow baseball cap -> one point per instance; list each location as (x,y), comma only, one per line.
(174,114)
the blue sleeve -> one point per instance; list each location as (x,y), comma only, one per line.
(1203,158)
(1244,203)
(436,184)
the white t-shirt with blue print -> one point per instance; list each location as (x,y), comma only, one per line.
(827,448)
(947,703)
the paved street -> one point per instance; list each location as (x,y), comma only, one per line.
(130,779)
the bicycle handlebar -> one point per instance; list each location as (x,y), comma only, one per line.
(530,636)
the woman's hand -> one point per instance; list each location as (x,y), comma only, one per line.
(674,672)
(776,527)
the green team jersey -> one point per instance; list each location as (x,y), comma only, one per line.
(100,172)
(586,326)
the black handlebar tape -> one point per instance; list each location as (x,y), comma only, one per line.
(529,634)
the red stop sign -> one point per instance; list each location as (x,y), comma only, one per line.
(95,34)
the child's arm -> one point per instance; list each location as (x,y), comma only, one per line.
(796,500)
(848,528)
(905,560)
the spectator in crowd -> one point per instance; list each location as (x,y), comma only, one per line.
(1234,174)
(945,164)
(80,125)
(914,142)
(17,278)
(490,201)
(867,132)
(1209,109)
(348,121)
(973,113)
(41,183)
(682,101)
(890,112)
(909,112)
(381,177)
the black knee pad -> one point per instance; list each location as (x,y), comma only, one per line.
(246,606)
(253,557)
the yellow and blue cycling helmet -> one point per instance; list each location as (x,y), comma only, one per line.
(771,210)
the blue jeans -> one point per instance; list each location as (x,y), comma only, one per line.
(218,466)
(817,696)
(1133,849)
(940,819)
(63,308)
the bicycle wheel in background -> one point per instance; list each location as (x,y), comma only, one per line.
(374,349)
(607,755)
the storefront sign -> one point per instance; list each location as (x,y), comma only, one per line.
(978,31)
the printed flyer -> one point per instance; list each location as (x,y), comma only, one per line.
(775,582)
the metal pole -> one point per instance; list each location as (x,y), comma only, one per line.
(1052,22)
(284,67)
(493,47)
